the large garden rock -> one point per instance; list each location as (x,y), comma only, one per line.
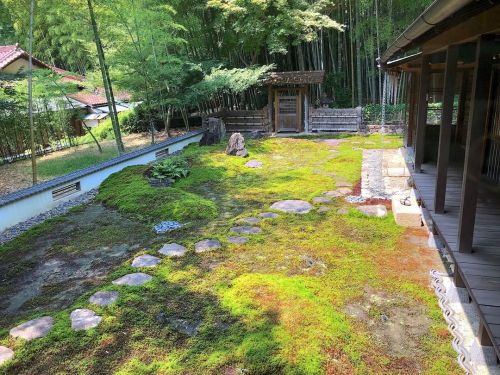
(5,354)
(172,250)
(246,229)
(83,319)
(206,245)
(104,298)
(33,329)
(292,206)
(133,279)
(236,146)
(377,210)
(146,261)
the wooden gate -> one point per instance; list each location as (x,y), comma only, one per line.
(288,110)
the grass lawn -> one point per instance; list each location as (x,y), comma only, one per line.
(308,295)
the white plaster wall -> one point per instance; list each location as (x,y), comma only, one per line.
(23,209)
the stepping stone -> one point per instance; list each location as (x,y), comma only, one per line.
(342,211)
(254,164)
(322,200)
(133,279)
(249,220)
(6,354)
(83,319)
(292,206)
(104,298)
(344,184)
(237,240)
(33,329)
(146,261)
(173,250)
(246,229)
(268,215)
(377,210)
(324,209)
(340,192)
(206,245)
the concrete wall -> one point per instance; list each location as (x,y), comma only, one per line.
(22,205)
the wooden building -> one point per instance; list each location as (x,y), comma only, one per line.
(290,110)
(456,162)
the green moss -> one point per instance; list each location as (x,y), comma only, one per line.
(129,192)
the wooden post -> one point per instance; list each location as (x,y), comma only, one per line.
(411,112)
(422,112)
(474,150)
(462,101)
(306,110)
(450,78)
(270,106)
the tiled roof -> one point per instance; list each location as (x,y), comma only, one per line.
(295,78)
(67,76)
(89,99)
(9,54)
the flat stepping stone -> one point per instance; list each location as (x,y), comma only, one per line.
(104,298)
(33,329)
(249,220)
(237,240)
(340,192)
(342,211)
(344,184)
(269,215)
(321,200)
(146,261)
(6,354)
(293,206)
(173,250)
(324,209)
(246,229)
(133,279)
(253,164)
(83,319)
(207,245)
(377,210)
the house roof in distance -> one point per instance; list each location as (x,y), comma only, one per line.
(295,78)
(10,53)
(89,99)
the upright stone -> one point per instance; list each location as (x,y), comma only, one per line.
(236,146)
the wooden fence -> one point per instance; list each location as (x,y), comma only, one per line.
(243,120)
(337,120)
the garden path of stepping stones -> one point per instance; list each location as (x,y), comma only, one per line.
(146,261)
(5,354)
(104,298)
(83,319)
(33,329)
(133,279)
(173,250)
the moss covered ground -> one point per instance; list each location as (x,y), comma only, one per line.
(282,303)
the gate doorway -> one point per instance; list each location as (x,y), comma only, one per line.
(288,110)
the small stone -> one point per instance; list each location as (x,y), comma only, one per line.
(340,192)
(33,329)
(146,261)
(269,215)
(249,220)
(206,245)
(342,211)
(237,240)
(83,319)
(324,209)
(246,229)
(321,200)
(377,210)
(133,279)
(254,164)
(104,298)
(292,206)
(343,184)
(6,354)
(384,318)
(173,250)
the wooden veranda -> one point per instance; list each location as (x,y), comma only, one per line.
(455,162)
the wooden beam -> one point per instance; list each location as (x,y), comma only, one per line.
(450,78)
(413,107)
(422,113)
(306,109)
(474,150)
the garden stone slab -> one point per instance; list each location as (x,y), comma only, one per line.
(104,298)
(324,209)
(173,250)
(254,164)
(249,220)
(322,200)
(246,229)
(33,329)
(5,354)
(292,206)
(269,215)
(342,211)
(133,279)
(343,184)
(237,240)
(83,319)
(206,245)
(377,210)
(146,261)
(340,192)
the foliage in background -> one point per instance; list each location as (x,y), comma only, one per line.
(104,131)
(372,113)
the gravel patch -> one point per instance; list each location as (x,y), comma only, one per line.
(167,226)
(18,229)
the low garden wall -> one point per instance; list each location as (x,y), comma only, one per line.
(24,204)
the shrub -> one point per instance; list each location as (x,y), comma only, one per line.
(174,168)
